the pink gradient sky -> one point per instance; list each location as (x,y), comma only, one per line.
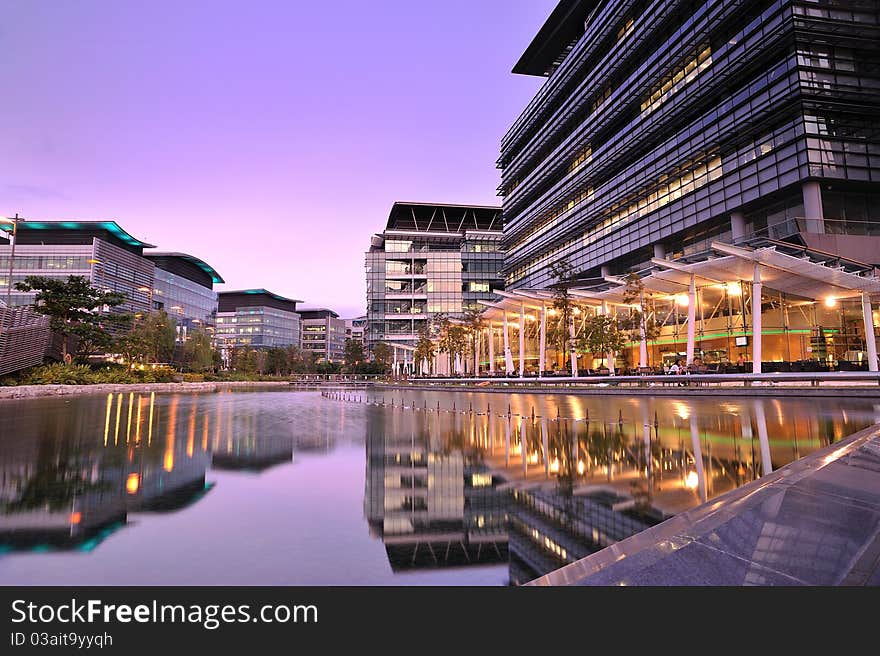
(268,138)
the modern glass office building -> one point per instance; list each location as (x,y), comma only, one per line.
(665,128)
(664,125)
(355,328)
(184,288)
(430,259)
(109,257)
(256,318)
(323,333)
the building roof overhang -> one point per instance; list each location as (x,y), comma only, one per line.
(192,259)
(564,25)
(110,226)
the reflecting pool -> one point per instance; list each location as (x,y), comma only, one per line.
(277,487)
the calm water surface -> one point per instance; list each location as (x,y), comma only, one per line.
(278,487)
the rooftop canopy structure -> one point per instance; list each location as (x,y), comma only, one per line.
(187,266)
(429,217)
(229,301)
(77,232)
(715,286)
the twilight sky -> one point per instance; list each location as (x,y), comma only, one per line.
(267,137)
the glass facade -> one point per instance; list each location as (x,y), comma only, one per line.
(354,328)
(323,332)
(664,125)
(107,266)
(430,259)
(258,327)
(192,305)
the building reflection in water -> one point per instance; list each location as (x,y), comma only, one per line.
(247,440)
(429,495)
(580,473)
(64,485)
(539,482)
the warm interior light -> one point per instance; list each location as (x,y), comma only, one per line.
(75,517)
(132,483)
(691,481)
(830,302)
(581,467)
(554,465)
(682,299)
(576,310)
(551,312)
(734,289)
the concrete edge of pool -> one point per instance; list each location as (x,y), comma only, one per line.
(815,521)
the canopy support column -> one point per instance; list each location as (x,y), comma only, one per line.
(756,322)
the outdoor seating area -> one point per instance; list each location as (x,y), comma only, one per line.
(694,315)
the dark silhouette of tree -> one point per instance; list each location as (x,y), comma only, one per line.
(72,306)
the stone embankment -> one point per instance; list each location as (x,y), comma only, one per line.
(39,391)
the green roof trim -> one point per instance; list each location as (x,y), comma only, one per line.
(264,292)
(204,266)
(110,226)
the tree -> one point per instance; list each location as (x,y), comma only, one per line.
(100,338)
(276,361)
(160,333)
(240,359)
(637,323)
(133,345)
(563,275)
(198,352)
(260,361)
(473,323)
(453,336)
(310,361)
(72,306)
(382,355)
(602,335)
(425,345)
(354,352)
(294,359)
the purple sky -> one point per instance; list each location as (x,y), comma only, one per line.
(268,138)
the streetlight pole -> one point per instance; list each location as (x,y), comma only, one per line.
(14,220)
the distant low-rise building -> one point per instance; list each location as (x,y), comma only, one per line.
(323,333)
(256,318)
(355,328)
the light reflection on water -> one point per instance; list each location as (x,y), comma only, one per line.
(273,488)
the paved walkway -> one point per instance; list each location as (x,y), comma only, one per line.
(813,522)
